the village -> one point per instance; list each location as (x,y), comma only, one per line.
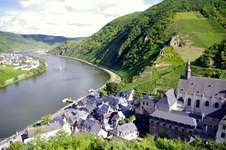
(196,108)
(20,62)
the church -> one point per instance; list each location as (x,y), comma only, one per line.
(197,107)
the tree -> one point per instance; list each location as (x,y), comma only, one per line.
(16,78)
(112,88)
(16,146)
(46,119)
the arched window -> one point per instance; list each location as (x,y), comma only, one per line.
(197,103)
(181,100)
(189,102)
(216,105)
(207,103)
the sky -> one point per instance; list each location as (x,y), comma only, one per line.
(69,18)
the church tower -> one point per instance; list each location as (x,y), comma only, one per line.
(187,70)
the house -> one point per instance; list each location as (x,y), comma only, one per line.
(11,140)
(128,95)
(147,105)
(116,117)
(221,132)
(98,131)
(104,111)
(126,131)
(49,130)
(167,102)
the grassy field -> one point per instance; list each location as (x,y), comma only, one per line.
(189,15)
(191,53)
(8,72)
(197,31)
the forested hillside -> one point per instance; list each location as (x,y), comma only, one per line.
(131,44)
(214,56)
(10,42)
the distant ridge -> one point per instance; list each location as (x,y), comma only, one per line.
(48,38)
(10,42)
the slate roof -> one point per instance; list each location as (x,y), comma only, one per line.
(104,109)
(223,121)
(176,117)
(125,94)
(95,129)
(148,98)
(168,99)
(47,128)
(203,86)
(125,129)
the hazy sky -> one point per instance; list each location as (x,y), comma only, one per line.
(70,18)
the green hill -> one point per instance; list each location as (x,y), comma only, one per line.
(15,42)
(131,44)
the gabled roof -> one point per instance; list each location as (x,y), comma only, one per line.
(148,98)
(46,128)
(95,129)
(125,94)
(125,129)
(207,87)
(104,109)
(223,121)
(168,99)
(175,117)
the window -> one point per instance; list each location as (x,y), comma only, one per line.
(216,105)
(181,99)
(223,127)
(189,102)
(207,103)
(222,135)
(143,103)
(197,103)
(142,107)
(147,103)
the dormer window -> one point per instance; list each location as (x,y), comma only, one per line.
(198,91)
(209,85)
(192,83)
(182,89)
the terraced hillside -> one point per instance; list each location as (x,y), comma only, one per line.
(196,30)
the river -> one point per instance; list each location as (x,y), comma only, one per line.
(28,100)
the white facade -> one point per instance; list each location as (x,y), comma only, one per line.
(221,132)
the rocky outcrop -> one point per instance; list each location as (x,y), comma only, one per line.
(176,41)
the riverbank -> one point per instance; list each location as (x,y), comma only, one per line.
(35,71)
(113,76)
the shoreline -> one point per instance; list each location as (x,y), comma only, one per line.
(113,76)
(22,77)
